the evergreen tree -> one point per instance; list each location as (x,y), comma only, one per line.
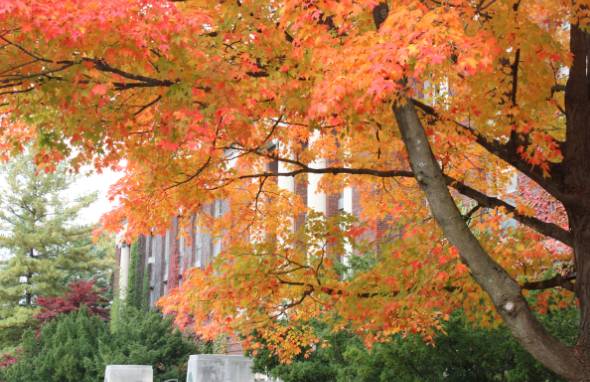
(76,347)
(64,351)
(147,338)
(44,246)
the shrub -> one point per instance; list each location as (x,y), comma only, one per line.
(147,338)
(79,294)
(465,353)
(76,347)
(63,351)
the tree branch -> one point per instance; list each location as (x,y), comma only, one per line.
(514,68)
(147,105)
(545,228)
(505,293)
(548,229)
(556,281)
(144,81)
(508,153)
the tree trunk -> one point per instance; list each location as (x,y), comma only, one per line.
(494,280)
(576,176)
(29,276)
(28,294)
(580,227)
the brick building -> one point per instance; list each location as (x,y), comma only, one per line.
(155,264)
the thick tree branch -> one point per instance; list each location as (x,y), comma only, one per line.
(509,154)
(380,13)
(494,280)
(556,281)
(484,201)
(470,213)
(333,171)
(142,81)
(547,229)
(514,68)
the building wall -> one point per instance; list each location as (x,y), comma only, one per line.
(163,258)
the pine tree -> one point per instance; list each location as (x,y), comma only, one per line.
(45,247)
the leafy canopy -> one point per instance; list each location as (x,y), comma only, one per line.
(193,95)
(80,294)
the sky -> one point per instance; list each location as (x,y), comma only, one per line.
(99,183)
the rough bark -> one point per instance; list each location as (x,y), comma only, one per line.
(503,290)
(577,174)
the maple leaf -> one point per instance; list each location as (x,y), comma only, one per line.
(169,146)
(208,101)
(99,89)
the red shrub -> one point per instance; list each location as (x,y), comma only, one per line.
(81,293)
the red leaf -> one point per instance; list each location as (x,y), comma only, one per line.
(100,89)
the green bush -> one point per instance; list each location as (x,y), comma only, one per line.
(466,353)
(64,351)
(77,347)
(145,338)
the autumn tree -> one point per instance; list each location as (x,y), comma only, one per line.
(45,247)
(80,294)
(397,100)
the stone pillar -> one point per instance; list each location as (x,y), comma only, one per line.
(315,198)
(285,182)
(219,368)
(123,271)
(128,373)
(173,255)
(115,276)
(301,191)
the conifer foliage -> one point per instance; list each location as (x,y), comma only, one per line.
(44,246)
(64,350)
(147,338)
(76,347)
